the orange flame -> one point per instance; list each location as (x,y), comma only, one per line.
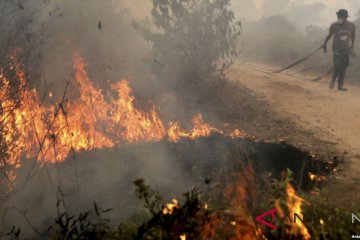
(201,129)
(294,203)
(170,207)
(316,178)
(131,124)
(88,121)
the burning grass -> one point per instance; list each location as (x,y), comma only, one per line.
(232,174)
(193,217)
(234,170)
(35,130)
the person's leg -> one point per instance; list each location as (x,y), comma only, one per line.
(335,72)
(344,62)
(333,79)
(342,74)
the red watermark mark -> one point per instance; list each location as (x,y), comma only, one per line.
(274,215)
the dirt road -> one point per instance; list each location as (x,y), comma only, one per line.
(329,114)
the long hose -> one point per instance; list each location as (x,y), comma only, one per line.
(299,61)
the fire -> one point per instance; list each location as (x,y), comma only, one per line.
(170,207)
(201,129)
(316,178)
(237,133)
(86,120)
(136,125)
(238,193)
(294,203)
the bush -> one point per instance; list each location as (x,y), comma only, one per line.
(193,44)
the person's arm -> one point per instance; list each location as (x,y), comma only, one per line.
(328,37)
(352,52)
(353,37)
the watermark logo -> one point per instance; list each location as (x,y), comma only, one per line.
(354,218)
(261,217)
(274,215)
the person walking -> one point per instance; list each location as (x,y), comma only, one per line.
(343,33)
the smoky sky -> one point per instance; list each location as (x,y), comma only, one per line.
(300,12)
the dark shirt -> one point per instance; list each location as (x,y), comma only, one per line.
(343,36)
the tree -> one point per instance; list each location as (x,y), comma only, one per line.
(193,44)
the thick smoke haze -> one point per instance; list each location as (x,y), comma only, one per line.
(102,32)
(300,12)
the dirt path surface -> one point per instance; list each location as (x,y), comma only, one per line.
(330,115)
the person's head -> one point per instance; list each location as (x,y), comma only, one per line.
(342,15)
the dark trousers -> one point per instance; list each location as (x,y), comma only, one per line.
(341,62)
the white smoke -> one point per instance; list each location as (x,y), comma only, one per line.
(300,12)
